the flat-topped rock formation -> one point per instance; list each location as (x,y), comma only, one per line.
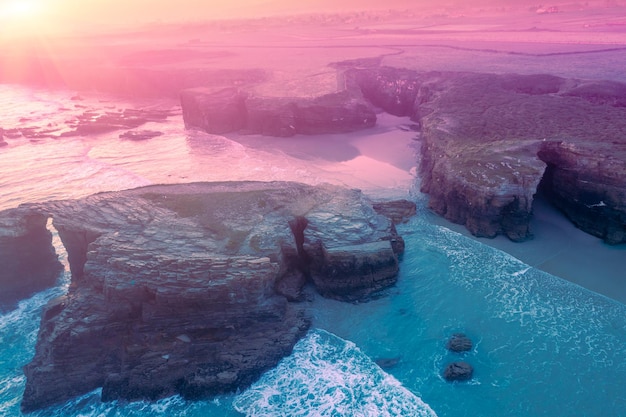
(489,142)
(187,288)
(232,110)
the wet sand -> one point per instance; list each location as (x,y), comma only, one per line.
(561,249)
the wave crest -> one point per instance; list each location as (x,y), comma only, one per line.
(329,376)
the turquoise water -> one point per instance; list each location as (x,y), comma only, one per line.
(542,347)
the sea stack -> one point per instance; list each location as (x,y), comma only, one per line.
(175,288)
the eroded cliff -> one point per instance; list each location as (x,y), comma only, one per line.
(232,110)
(189,288)
(489,141)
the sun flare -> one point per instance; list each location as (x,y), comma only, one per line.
(14,9)
(23,17)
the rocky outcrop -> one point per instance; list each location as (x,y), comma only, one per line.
(459,342)
(29,262)
(458,371)
(186,288)
(588,183)
(216,112)
(232,110)
(489,141)
(399,211)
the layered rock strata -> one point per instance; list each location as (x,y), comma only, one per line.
(232,110)
(186,288)
(489,141)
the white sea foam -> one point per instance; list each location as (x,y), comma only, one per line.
(568,315)
(328,376)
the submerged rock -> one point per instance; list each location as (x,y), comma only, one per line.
(185,288)
(459,343)
(140,134)
(387,363)
(458,371)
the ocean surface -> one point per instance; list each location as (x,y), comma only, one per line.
(542,345)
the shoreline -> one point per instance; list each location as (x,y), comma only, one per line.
(559,248)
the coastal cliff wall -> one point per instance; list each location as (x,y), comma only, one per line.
(231,110)
(488,141)
(194,288)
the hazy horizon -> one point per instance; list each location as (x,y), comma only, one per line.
(41,16)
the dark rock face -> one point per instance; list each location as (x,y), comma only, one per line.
(458,371)
(334,113)
(271,116)
(186,288)
(2,141)
(459,343)
(589,187)
(217,112)
(399,211)
(29,263)
(231,110)
(488,141)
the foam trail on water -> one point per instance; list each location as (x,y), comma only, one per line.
(329,376)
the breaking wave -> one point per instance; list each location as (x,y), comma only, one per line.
(329,376)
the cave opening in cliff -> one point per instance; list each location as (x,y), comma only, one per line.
(544,200)
(545,189)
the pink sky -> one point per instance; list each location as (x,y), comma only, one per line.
(66,14)
(45,15)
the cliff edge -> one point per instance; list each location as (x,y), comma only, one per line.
(490,142)
(193,288)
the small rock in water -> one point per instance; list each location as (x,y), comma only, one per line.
(459,342)
(458,371)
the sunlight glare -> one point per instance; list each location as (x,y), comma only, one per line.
(23,18)
(18,9)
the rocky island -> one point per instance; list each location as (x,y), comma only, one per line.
(193,288)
